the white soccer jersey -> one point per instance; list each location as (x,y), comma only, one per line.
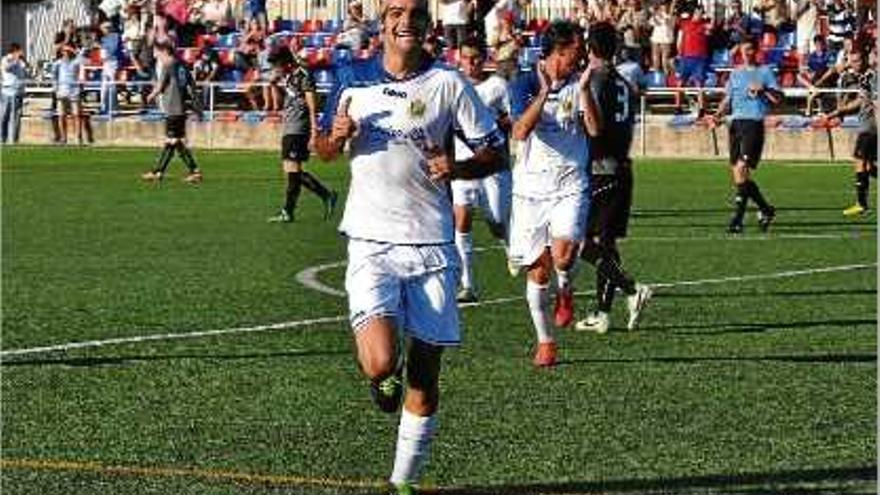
(391,197)
(493,92)
(553,160)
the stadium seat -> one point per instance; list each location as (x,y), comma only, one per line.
(296,25)
(333,25)
(252,117)
(794,123)
(189,55)
(655,79)
(227,116)
(342,56)
(788,79)
(529,57)
(286,25)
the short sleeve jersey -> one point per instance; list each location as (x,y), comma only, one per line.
(552,161)
(614,99)
(493,93)
(744,104)
(171,99)
(391,196)
(296,111)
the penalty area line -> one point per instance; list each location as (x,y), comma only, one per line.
(337,319)
(189,473)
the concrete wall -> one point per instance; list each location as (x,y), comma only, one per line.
(660,139)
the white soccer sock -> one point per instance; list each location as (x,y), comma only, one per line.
(539,299)
(414,437)
(464,243)
(562,279)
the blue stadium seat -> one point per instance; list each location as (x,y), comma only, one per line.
(296,25)
(285,25)
(342,56)
(254,117)
(711,79)
(720,59)
(682,121)
(333,25)
(655,79)
(795,123)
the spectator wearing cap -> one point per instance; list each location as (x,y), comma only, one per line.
(841,24)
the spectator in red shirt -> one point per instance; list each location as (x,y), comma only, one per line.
(693,51)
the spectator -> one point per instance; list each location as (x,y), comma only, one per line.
(455,14)
(630,69)
(269,76)
(207,67)
(776,15)
(693,50)
(661,22)
(632,22)
(134,29)
(217,15)
(254,33)
(256,10)
(13,70)
(494,17)
(807,15)
(841,24)
(66,74)
(144,62)
(818,63)
(247,64)
(740,25)
(355,30)
(581,14)
(111,53)
(66,37)
(112,12)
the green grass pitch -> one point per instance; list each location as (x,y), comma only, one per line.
(732,385)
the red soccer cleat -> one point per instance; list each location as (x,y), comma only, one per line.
(564,310)
(545,356)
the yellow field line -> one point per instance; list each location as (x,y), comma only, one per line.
(171,472)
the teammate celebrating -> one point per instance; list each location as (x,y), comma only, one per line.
(491,194)
(866,142)
(172,86)
(608,112)
(300,128)
(402,271)
(750,92)
(550,182)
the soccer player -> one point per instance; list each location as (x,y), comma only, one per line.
(866,142)
(171,87)
(299,131)
(491,194)
(551,181)
(750,92)
(66,72)
(609,113)
(396,112)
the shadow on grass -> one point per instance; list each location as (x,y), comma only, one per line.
(122,360)
(750,295)
(796,358)
(722,328)
(687,212)
(832,481)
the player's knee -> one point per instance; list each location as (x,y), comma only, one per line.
(378,363)
(539,273)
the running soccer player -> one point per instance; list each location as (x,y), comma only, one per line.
(750,92)
(550,182)
(299,131)
(171,88)
(865,154)
(491,194)
(396,112)
(608,111)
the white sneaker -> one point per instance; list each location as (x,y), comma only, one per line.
(636,304)
(512,269)
(466,295)
(594,322)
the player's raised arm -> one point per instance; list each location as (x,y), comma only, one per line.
(528,104)
(330,143)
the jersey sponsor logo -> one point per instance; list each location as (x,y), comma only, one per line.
(417,108)
(394,93)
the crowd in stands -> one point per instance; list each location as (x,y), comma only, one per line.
(675,42)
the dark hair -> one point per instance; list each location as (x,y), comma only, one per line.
(14,47)
(603,40)
(559,34)
(749,40)
(474,43)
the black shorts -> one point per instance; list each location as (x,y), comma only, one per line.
(295,147)
(866,147)
(175,126)
(746,142)
(610,204)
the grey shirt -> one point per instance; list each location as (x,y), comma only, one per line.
(868,97)
(296,112)
(614,99)
(171,95)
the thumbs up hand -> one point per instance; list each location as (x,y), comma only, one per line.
(344,126)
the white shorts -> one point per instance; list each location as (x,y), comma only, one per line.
(414,285)
(491,194)
(535,223)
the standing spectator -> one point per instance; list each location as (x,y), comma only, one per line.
(841,24)
(144,63)
(740,25)
(217,15)
(111,52)
(256,9)
(661,22)
(807,15)
(775,14)
(632,22)
(818,64)
(355,31)
(112,11)
(496,14)
(66,74)
(66,37)
(269,76)
(12,68)
(693,51)
(455,15)
(246,63)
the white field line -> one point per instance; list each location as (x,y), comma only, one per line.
(309,278)
(336,319)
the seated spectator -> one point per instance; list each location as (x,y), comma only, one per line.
(818,63)
(630,69)
(254,33)
(661,22)
(207,67)
(741,25)
(355,30)
(255,10)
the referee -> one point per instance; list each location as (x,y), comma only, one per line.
(750,92)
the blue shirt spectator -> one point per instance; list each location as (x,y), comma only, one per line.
(744,102)
(111,47)
(65,72)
